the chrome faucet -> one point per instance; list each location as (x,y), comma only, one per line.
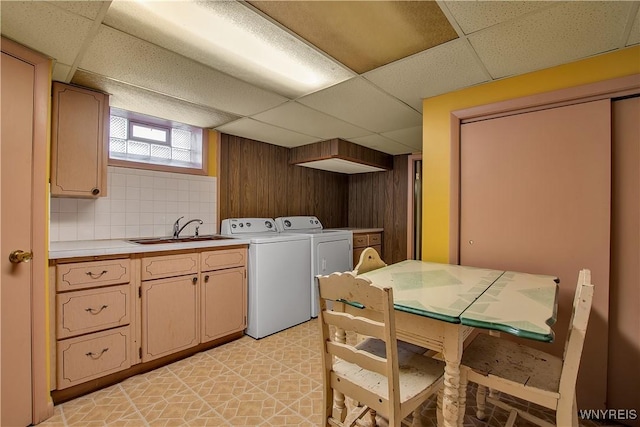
(177,229)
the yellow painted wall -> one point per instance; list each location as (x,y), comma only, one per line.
(212,157)
(436,138)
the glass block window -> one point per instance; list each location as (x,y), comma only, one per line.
(137,138)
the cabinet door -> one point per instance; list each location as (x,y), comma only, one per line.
(224,302)
(79,142)
(170,320)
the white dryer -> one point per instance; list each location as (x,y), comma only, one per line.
(331,250)
(279,265)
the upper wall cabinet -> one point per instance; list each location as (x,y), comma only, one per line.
(79,140)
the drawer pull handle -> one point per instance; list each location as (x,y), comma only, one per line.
(96,276)
(97,356)
(94,311)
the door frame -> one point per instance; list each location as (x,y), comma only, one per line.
(42,403)
(410,201)
(623,86)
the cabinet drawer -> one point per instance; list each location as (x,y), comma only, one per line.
(92,310)
(158,267)
(375,239)
(224,258)
(359,240)
(91,356)
(90,274)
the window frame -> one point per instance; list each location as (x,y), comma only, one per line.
(144,120)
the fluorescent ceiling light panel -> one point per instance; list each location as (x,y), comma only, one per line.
(235,39)
(341,166)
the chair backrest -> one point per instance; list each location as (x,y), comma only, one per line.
(369,260)
(375,319)
(577,330)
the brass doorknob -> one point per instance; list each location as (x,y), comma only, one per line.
(20,256)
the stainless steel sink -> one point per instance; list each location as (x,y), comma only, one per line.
(159,240)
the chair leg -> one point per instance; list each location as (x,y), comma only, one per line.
(481,400)
(565,414)
(439,414)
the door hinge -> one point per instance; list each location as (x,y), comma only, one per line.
(245,274)
(139,291)
(140,352)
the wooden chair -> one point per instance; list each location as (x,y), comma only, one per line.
(369,260)
(528,373)
(375,372)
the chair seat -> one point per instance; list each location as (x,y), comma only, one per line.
(489,355)
(416,371)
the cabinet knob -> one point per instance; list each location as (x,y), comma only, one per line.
(95,191)
(206,278)
(194,280)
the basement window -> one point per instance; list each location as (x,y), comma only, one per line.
(145,142)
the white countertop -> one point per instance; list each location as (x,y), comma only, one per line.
(83,248)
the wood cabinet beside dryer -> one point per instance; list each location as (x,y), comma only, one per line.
(364,238)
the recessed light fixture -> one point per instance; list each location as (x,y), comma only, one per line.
(235,39)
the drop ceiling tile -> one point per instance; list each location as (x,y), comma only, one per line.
(45,28)
(359,102)
(139,20)
(472,16)
(253,129)
(60,72)
(363,35)
(139,63)
(132,98)
(552,36)
(634,35)
(411,137)
(444,68)
(88,9)
(380,143)
(300,118)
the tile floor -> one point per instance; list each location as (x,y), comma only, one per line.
(272,382)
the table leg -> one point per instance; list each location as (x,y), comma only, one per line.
(452,351)
(462,397)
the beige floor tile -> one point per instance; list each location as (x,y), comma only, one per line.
(272,382)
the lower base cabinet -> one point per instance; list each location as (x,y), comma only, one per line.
(224,302)
(115,313)
(170,320)
(91,356)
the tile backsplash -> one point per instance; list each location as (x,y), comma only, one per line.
(139,203)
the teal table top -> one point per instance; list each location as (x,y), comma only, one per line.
(517,303)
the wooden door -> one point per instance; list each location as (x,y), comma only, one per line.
(17,136)
(170,316)
(224,303)
(535,197)
(24,395)
(624,325)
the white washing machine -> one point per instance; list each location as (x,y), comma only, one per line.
(279,265)
(331,250)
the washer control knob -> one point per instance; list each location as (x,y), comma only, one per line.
(241,225)
(248,224)
(287,223)
(268,225)
(233,226)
